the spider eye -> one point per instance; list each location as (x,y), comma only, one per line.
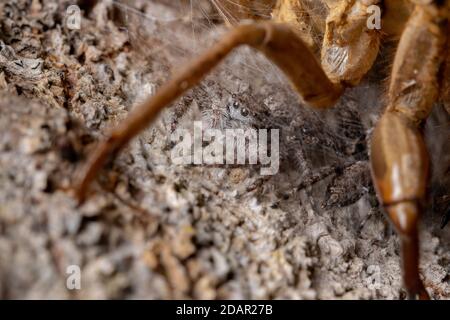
(236,104)
(244,112)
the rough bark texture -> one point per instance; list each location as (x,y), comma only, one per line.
(154,230)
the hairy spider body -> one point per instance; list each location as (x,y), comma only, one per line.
(348,49)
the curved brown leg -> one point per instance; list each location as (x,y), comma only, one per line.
(399,157)
(445,92)
(400,171)
(277,41)
(348,36)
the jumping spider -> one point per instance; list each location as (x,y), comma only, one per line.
(420,77)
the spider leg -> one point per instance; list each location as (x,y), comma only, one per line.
(445,98)
(445,92)
(350,46)
(346,36)
(399,157)
(277,41)
(306,18)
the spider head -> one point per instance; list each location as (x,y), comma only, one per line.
(238,110)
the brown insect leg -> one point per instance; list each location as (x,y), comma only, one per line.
(277,41)
(400,173)
(409,212)
(445,92)
(399,157)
